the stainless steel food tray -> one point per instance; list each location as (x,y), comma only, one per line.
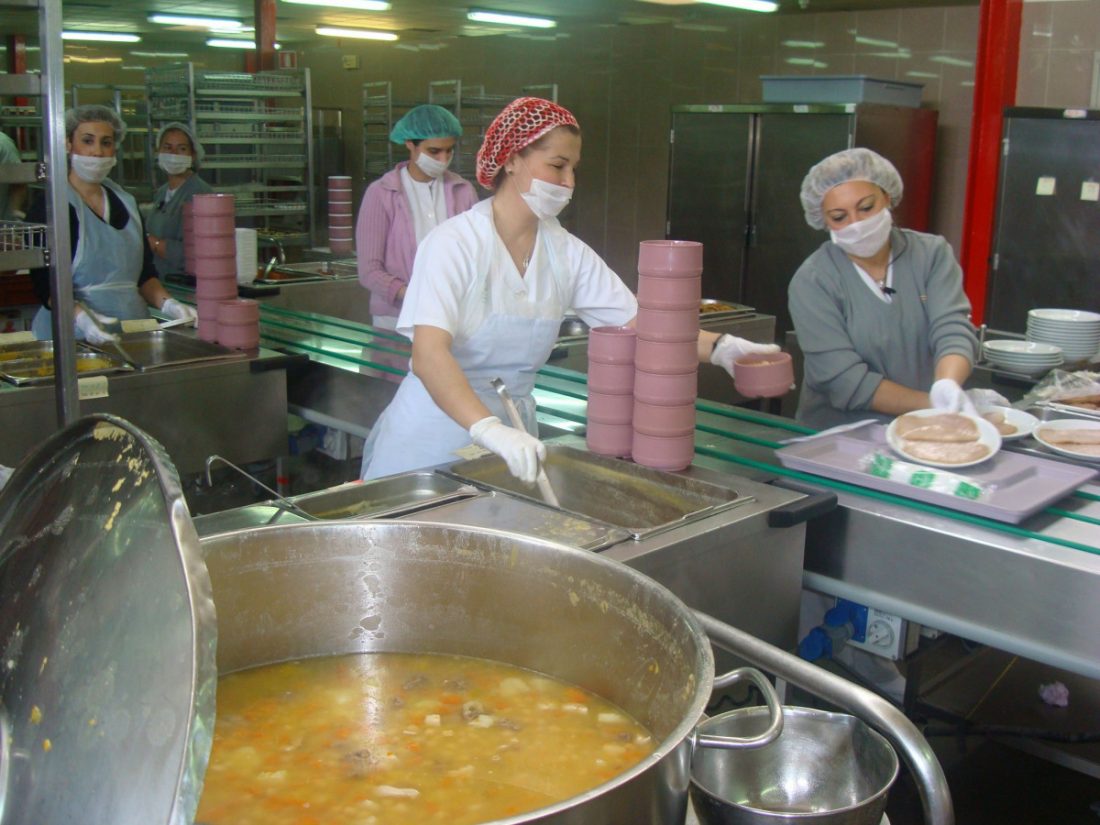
(507,512)
(736,311)
(1019,485)
(38,369)
(385,497)
(618,493)
(166,348)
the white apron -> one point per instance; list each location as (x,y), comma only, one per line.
(106,264)
(413,432)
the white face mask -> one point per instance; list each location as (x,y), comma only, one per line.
(546,200)
(430,166)
(864,238)
(92,169)
(173,164)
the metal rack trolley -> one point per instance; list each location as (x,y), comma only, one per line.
(135,169)
(258,134)
(26,245)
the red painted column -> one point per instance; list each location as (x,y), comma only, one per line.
(994,89)
(265,35)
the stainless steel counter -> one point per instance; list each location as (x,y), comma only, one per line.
(341,298)
(235,408)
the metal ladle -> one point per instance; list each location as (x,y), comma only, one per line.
(517,421)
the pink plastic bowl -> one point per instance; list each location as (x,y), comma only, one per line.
(666,357)
(670,258)
(239,311)
(666,420)
(339,210)
(612,379)
(212,226)
(215,289)
(763,376)
(610,439)
(339,181)
(220,269)
(208,329)
(610,409)
(214,203)
(664,388)
(668,324)
(340,221)
(655,292)
(208,307)
(215,246)
(669,453)
(239,336)
(340,247)
(612,345)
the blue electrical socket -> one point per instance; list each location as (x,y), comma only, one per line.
(857,615)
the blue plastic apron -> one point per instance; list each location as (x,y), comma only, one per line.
(106,264)
(413,432)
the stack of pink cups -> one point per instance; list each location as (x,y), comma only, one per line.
(666,362)
(189,239)
(239,323)
(340,227)
(611,390)
(215,248)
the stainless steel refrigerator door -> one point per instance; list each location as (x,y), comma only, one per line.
(1046,250)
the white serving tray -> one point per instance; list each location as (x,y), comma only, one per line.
(1022,485)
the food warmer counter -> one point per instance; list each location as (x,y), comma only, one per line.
(186,392)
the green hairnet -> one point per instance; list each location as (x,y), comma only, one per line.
(851,164)
(426,121)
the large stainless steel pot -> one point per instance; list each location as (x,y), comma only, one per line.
(328,588)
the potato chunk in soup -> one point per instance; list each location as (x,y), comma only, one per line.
(391,737)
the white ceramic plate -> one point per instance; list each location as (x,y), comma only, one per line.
(987,435)
(1063,315)
(1024,348)
(1022,421)
(1066,424)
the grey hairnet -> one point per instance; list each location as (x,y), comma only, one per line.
(94,113)
(851,164)
(197,152)
(426,121)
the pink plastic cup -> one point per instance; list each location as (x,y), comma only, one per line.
(672,259)
(612,379)
(763,376)
(664,388)
(612,345)
(610,409)
(656,292)
(666,420)
(239,336)
(339,181)
(670,453)
(609,439)
(666,357)
(668,324)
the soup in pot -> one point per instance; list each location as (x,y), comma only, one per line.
(392,737)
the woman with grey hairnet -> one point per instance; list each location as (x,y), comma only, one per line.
(178,156)
(114,278)
(880,311)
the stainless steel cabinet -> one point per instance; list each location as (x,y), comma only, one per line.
(1046,247)
(734,179)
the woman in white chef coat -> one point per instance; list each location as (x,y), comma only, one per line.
(880,312)
(489,290)
(113,271)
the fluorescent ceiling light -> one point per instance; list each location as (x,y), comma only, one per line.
(359,5)
(160,54)
(215,23)
(133,68)
(483,16)
(951,61)
(360,34)
(874,41)
(102,37)
(744,5)
(231,43)
(804,44)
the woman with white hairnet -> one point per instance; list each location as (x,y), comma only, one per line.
(488,294)
(880,312)
(179,155)
(114,278)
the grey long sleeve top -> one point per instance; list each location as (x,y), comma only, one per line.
(852,340)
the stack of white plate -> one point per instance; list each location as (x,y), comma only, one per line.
(1027,357)
(1076,331)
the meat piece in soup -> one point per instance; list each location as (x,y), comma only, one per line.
(392,737)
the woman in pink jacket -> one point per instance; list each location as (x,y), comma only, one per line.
(404,205)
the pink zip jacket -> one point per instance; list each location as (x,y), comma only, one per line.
(385,236)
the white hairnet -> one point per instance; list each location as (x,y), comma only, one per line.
(851,164)
(197,151)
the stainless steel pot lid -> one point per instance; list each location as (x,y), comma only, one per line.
(108,672)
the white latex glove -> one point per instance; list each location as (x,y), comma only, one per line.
(987,398)
(520,450)
(729,348)
(948,396)
(177,311)
(92,333)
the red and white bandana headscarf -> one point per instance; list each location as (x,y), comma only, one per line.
(520,123)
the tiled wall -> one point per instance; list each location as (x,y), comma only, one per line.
(1059,51)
